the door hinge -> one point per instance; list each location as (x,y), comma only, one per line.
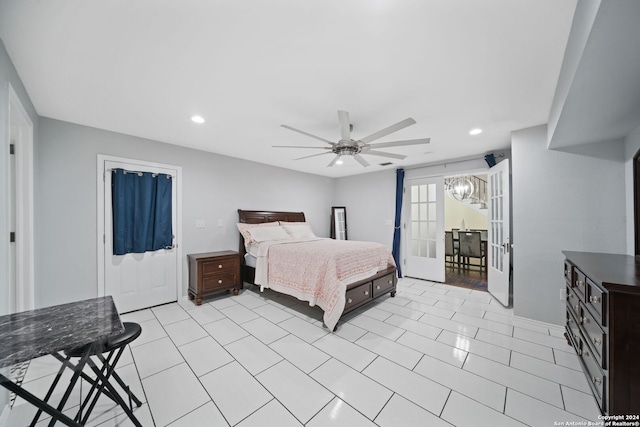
(404,261)
(404,225)
(12,148)
(12,237)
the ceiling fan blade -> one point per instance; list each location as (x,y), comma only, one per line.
(313,155)
(345,126)
(388,130)
(401,143)
(299,146)
(361,160)
(333,162)
(308,134)
(382,154)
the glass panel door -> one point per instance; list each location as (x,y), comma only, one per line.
(499,238)
(424,227)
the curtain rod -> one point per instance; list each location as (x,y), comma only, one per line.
(426,165)
(139,173)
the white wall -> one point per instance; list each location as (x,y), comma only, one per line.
(214,187)
(561,201)
(455,212)
(632,146)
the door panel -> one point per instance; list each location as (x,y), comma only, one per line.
(499,239)
(424,229)
(135,280)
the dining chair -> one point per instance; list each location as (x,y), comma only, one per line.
(456,239)
(449,249)
(471,247)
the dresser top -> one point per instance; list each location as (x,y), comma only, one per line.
(611,271)
(30,334)
(195,257)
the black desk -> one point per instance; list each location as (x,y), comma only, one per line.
(30,334)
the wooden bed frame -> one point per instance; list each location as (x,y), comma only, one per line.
(358,293)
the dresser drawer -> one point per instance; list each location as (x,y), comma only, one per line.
(357,296)
(596,301)
(580,284)
(573,328)
(573,303)
(219,266)
(568,273)
(225,281)
(594,335)
(594,374)
(383,284)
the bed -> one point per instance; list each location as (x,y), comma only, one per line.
(349,274)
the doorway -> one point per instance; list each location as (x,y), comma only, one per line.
(466,210)
(21,267)
(137,280)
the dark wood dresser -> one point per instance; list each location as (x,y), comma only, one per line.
(603,325)
(213,272)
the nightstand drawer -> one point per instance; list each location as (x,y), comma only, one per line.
(219,266)
(210,283)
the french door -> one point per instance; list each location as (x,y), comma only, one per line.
(499,257)
(138,280)
(424,229)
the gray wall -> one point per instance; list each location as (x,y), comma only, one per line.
(632,146)
(214,187)
(561,201)
(8,75)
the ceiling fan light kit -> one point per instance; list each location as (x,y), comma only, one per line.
(350,147)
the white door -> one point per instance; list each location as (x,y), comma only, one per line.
(499,236)
(424,229)
(143,280)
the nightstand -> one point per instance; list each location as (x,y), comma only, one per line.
(213,272)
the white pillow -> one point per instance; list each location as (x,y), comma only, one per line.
(245,230)
(263,234)
(299,231)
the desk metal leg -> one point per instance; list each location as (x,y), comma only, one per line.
(56,414)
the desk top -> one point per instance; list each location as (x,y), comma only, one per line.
(34,333)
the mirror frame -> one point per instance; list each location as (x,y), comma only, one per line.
(334,234)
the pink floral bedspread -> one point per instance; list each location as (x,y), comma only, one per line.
(319,270)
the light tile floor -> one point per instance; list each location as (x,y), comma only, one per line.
(434,355)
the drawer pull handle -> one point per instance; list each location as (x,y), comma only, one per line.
(576,307)
(569,320)
(580,283)
(366,292)
(220,281)
(378,287)
(596,380)
(390,282)
(597,341)
(219,265)
(594,299)
(586,320)
(349,301)
(586,353)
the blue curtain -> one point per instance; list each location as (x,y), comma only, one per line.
(141,203)
(396,230)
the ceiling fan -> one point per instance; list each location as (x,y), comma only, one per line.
(356,147)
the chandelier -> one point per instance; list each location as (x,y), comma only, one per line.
(461,188)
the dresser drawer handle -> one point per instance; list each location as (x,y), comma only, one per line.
(219,265)
(584,320)
(390,282)
(349,301)
(580,283)
(366,292)
(569,320)
(594,299)
(596,380)
(576,307)
(220,281)
(586,353)
(597,341)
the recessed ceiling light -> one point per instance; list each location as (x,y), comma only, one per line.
(197,119)
(339,162)
(476,131)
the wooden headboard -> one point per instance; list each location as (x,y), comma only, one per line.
(258,217)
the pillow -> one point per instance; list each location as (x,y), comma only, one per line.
(264,234)
(244,228)
(301,230)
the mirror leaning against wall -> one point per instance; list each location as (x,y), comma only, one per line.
(339,223)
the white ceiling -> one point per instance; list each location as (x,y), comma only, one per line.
(144,67)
